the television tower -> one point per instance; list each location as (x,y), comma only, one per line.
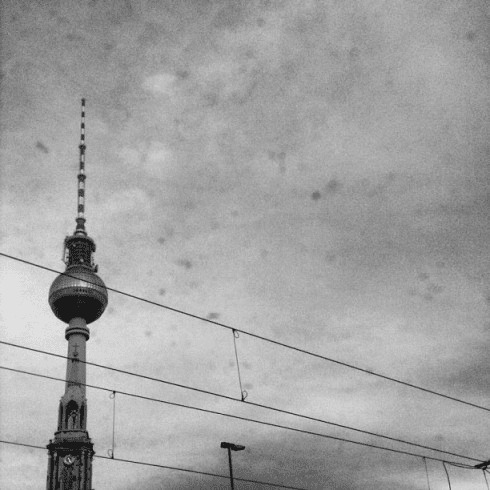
(77,297)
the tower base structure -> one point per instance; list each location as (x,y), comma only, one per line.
(70,461)
(71,451)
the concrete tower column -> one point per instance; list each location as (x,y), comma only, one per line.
(77,334)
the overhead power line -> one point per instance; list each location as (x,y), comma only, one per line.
(166,467)
(260,337)
(134,395)
(187,470)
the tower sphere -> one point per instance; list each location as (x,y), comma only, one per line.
(81,293)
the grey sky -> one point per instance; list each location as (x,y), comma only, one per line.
(313,172)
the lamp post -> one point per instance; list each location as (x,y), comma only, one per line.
(231,447)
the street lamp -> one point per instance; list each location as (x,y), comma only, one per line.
(231,447)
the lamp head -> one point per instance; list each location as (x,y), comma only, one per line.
(233,447)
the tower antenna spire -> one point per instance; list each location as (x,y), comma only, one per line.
(81,177)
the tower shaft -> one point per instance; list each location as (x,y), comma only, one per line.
(77,334)
(71,451)
(73,405)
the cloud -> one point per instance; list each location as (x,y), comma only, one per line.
(294,460)
(322,169)
(126,202)
(162,83)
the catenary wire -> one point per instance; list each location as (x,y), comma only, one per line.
(166,467)
(226,397)
(113,397)
(447,475)
(426,472)
(270,424)
(194,471)
(460,465)
(243,393)
(260,337)
(216,475)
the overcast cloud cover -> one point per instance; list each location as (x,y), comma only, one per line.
(316,172)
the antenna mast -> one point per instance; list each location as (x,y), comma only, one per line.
(81,177)
(79,247)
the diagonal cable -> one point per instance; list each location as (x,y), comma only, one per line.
(166,467)
(265,339)
(272,424)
